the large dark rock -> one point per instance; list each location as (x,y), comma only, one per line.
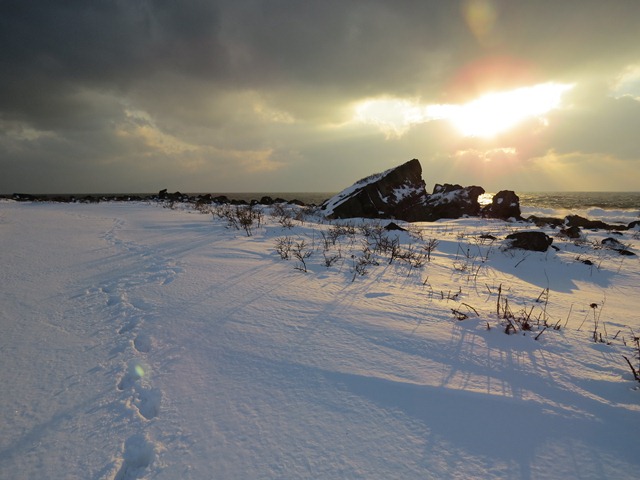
(505,205)
(535,241)
(452,201)
(399,193)
(396,193)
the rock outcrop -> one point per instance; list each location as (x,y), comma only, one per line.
(505,205)
(452,201)
(397,193)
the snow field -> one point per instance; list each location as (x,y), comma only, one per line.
(147,342)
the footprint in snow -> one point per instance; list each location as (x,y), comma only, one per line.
(127,327)
(142,343)
(135,371)
(138,453)
(148,402)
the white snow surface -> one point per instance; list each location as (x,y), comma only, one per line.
(141,342)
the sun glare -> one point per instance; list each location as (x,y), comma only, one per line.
(486,116)
(495,113)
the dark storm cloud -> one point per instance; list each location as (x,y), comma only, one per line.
(369,47)
(53,49)
(227,76)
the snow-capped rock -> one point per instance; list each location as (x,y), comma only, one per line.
(397,193)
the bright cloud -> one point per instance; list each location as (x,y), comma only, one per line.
(495,113)
(627,83)
(486,116)
(394,116)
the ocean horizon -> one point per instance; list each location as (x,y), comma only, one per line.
(615,207)
(546,199)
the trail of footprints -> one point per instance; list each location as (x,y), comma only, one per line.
(133,345)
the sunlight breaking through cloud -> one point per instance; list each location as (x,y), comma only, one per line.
(394,116)
(486,116)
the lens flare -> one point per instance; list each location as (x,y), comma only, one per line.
(139,370)
(481,16)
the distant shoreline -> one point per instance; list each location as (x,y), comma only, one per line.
(551,199)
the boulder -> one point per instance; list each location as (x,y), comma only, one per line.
(577,220)
(505,205)
(204,199)
(573,232)
(396,193)
(452,201)
(615,244)
(544,221)
(174,197)
(24,197)
(221,199)
(394,226)
(535,241)
(612,243)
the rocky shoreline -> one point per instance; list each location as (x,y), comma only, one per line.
(161,196)
(396,194)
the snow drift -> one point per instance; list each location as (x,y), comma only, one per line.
(147,342)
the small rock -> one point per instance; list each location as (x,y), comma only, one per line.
(394,226)
(535,241)
(571,232)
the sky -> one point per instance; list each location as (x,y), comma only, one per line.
(293,96)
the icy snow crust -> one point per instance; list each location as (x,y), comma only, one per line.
(141,342)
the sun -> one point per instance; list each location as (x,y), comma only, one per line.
(495,113)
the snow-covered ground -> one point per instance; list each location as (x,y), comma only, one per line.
(147,342)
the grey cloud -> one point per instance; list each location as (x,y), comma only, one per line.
(287,49)
(596,124)
(215,75)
